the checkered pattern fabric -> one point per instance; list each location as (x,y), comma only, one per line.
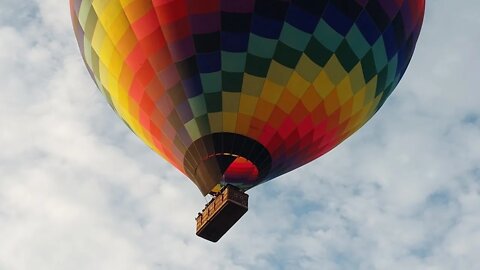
(292,78)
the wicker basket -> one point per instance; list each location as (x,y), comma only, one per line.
(221,213)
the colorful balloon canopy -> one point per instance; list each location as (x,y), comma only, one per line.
(242,91)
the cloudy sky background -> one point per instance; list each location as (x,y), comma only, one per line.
(79,191)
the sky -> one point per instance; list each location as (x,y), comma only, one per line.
(79,191)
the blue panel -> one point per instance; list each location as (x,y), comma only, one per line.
(235,42)
(209,62)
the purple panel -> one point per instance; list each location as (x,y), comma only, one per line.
(169,76)
(205,23)
(237,6)
(182,49)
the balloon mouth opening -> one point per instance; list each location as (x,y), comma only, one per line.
(238,170)
(226,158)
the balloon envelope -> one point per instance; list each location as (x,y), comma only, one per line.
(242,91)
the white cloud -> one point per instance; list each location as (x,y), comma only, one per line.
(79,191)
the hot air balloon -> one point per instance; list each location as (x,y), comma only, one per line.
(234,93)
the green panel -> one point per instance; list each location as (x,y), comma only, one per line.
(286,55)
(294,37)
(257,66)
(203,124)
(327,36)
(90,24)
(85,8)
(379,54)
(95,64)
(192,129)
(262,47)
(232,81)
(357,80)
(357,42)
(211,82)
(381,81)
(368,66)
(317,52)
(198,106)
(346,56)
(386,93)
(214,102)
(392,69)
(233,62)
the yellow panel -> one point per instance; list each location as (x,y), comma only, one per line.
(247,104)
(134,109)
(271,91)
(107,51)
(148,138)
(216,122)
(359,100)
(335,70)
(109,12)
(99,35)
(99,5)
(264,110)
(279,73)
(354,124)
(104,75)
(331,102)
(308,69)
(229,121)
(297,85)
(113,88)
(230,101)
(134,125)
(126,77)
(346,111)
(252,85)
(344,90)
(311,99)
(359,119)
(123,99)
(116,64)
(136,8)
(127,43)
(243,123)
(119,28)
(323,84)
(125,3)
(287,101)
(357,79)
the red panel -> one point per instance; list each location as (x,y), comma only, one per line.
(146,25)
(177,30)
(153,43)
(203,6)
(136,58)
(241,170)
(169,11)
